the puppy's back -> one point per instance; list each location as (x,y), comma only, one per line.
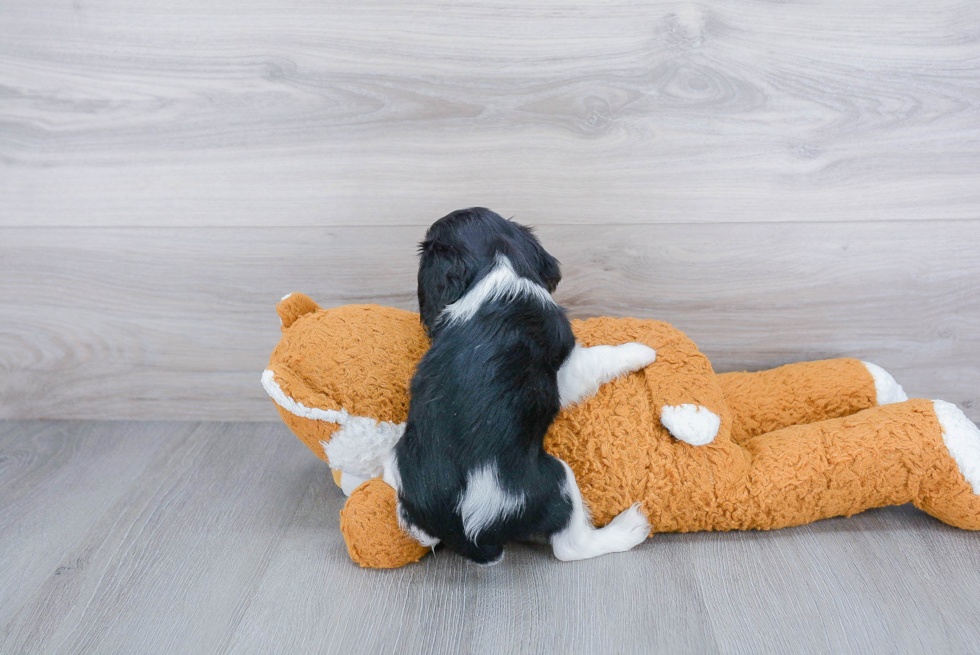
(483,396)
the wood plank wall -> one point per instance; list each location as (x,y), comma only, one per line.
(783,181)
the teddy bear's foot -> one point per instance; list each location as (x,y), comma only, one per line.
(951,490)
(962,439)
(369,523)
(887,388)
(691,424)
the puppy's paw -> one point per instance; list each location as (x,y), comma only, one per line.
(636,356)
(691,424)
(586,369)
(629,528)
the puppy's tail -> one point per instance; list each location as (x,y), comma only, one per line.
(294,305)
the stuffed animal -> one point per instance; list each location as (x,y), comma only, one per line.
(699,451)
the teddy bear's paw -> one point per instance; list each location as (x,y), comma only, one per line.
(691,424)
(628,529)
(962,439)
(888,390)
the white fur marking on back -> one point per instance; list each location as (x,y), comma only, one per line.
(887,389)
(501,282)
(691,424)
(962,439)
(586,369)
(485,501)
(580,540)
(362,444)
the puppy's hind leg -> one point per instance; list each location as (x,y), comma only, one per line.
(580,540)
(586,369)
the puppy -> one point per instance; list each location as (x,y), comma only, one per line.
(470,470)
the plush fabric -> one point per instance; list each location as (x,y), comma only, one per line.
(795,444)
(370,528)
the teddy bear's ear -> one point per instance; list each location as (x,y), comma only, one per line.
(293,306)
(370,527)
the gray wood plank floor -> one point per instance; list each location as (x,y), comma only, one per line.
(139,537)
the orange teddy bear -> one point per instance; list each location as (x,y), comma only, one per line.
(699,451)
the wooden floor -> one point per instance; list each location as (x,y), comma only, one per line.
(176,537)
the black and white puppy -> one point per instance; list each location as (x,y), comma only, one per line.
(470,469)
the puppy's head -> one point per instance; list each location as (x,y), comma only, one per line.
(460,248)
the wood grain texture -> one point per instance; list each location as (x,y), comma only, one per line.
(829,567)
(165,323)
(383,113)
(225,539)
(165,567)
(55,479)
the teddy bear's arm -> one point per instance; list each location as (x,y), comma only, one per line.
(683,388)
(586,369)
(685,391)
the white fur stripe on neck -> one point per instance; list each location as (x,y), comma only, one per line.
(362,444)
(501,282)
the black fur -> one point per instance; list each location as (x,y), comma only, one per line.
(459,249)
(487,390)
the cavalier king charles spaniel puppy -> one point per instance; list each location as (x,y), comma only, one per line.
(470,469)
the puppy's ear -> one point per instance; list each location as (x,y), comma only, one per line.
(541,261)
(550,270)
(443,279)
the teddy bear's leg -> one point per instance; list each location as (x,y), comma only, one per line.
(921,451)
(943,493)
(804,393)
(586,369)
